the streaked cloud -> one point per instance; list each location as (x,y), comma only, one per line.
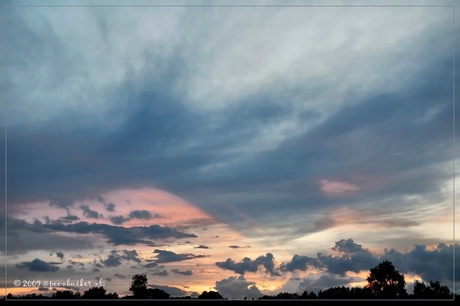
(185,272)
(118,235)
(38,265)
(202,247)
(164,256)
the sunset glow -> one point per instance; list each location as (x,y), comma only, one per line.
(249,150)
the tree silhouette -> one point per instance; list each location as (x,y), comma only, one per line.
(361,293)
(287,295)
(210,295)
(434,290)
(98,293)
(94,293)
(386,282)
(306,295)
(157,294)
(335,293)
(65,294)
(140,291)
(139,286)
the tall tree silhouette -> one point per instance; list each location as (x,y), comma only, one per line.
(140,291)
(139,285)
(386,282)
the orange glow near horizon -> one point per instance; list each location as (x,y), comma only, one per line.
(213,241)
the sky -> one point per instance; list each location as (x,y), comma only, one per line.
(250,150)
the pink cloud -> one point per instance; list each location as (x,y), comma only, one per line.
(337,188)
(168,209)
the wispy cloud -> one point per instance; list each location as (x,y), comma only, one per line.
(163,256)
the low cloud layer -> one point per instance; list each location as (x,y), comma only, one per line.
(238,288)
(118,235)
(247,265)
(354,258)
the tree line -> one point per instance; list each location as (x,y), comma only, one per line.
(383,282)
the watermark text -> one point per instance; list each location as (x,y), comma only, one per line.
(50,284)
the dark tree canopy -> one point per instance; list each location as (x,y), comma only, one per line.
(434,290)
(306,295)
(98,293)
(139,285)
(94,293)
(157,294)
(139,289)
(386,282)
(65,294)
(210,295)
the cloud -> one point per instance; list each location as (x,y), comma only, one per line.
(38,265)
(160,273)
(431,265)
(151,265)
(60,201)
(186,272)
(110,207)
(354,259)
(359,261)
(142,214)
(89,213)
(24,237)
(76,263)
(217,121)
(130,255)
(202,247)
(164,256)
(118,235)
(352,124)
(111,261)
(136,214)
(299,262)
(118,220)
(69,219)
(334,188)
(280,127)
(347,246)
(116,257)
(239,247)
(248,265)
(237,288)
(60,255)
